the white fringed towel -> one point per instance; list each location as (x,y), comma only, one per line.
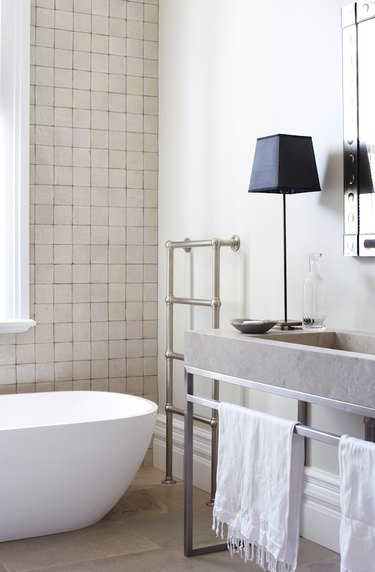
(357,497)
(259,487)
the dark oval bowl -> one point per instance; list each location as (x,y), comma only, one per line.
(249,326)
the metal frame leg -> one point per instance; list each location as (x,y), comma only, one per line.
(188,470)
(188,479)
(369,429)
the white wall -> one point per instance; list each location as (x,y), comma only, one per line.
(232,71)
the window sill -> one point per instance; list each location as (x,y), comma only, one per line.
(16,326)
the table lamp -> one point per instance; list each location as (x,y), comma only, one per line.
(284,164)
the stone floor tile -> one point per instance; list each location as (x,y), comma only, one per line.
(104,540)
(143,533)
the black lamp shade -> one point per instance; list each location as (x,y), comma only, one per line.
(284,164)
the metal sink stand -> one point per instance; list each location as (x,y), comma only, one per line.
(301,429)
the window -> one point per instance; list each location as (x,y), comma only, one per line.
(14,165)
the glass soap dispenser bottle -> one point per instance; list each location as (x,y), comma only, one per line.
(313,311)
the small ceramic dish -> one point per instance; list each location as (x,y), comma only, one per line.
(248,326)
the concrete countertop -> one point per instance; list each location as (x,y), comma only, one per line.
(330,372)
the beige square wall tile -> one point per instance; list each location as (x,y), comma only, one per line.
(45,372)
(81,370)
(7,354)
(93,239)
(81,331)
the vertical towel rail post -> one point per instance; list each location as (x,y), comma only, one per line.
(214,303)
(168,479)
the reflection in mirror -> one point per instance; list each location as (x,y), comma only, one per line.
(358,34)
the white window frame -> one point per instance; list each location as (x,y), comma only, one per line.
(14,161)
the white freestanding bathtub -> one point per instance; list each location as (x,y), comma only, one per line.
(67,457)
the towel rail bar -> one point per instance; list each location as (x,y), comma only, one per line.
(300,429)
(191,399)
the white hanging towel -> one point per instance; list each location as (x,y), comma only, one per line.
(259,487)
(357,497)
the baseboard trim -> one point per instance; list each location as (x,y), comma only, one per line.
(321,499)
(321,511)
(201,452)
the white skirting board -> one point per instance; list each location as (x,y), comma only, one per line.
(321,503)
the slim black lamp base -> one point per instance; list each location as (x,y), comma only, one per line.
(286,324)
(289,324)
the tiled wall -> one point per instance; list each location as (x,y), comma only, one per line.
(93,196)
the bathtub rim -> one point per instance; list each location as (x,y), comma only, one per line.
(25,424)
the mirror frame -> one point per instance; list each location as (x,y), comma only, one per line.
(355,242)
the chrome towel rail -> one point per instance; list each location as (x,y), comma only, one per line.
(214,303)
